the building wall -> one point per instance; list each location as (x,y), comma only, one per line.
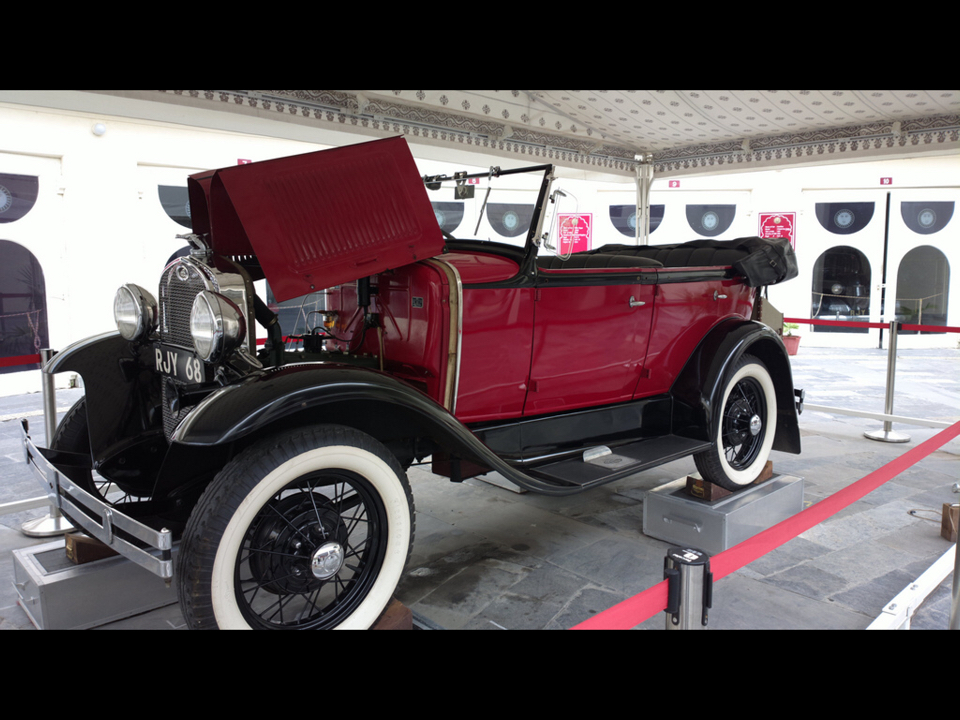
(98,220)
(921,234)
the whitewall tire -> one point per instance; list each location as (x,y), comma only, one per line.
(309,530)
(745,430)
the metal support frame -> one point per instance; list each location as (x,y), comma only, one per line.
(887,434)
(690,588)
(144,545)
(53,523)
(897,613)
(644,181)
(955,591)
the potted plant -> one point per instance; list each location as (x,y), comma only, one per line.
(791,341)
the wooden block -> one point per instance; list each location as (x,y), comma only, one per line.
(703,490)
(83,548)
(765,474)
(950,522)
(397,616)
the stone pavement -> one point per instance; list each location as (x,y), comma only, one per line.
(488,558)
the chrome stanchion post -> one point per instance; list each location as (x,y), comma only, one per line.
(54,523)
(690,588)
(955,602)
(887,434)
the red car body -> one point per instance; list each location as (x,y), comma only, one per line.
(559,372)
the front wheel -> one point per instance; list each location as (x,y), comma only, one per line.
(73,435)
(746,428)
(307,530)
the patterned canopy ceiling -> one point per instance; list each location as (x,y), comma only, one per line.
(680,131)
(688,127)
(655,121)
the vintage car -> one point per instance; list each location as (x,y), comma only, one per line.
(269,481)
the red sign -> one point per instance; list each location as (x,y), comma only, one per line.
(779,225)
(886,181)
(575,232)
(674,183)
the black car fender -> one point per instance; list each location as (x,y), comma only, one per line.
(119,391)
(698,389)
(283,399)
(303,393)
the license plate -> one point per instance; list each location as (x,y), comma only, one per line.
(180,364)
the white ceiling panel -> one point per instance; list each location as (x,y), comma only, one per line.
(603,131)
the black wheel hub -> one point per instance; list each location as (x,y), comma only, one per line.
(743,424)
(312,553)
(297,529)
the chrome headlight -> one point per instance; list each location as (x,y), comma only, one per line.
(135,311)
(217,326)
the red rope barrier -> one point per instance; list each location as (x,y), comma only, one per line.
(931,328)
(635,610)
(838,323)
(858,324)
(19,360)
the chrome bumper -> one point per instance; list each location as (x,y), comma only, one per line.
(149,548)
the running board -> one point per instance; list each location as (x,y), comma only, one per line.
(601,465)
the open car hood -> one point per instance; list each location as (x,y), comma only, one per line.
(319,219)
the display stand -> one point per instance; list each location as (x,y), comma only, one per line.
(718,519)
(58,594)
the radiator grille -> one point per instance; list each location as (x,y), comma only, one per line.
(180,284)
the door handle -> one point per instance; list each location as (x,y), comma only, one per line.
(636,303)
(718,296)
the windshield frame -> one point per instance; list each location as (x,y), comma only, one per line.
(535,232)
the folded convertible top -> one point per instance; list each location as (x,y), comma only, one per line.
(762,261)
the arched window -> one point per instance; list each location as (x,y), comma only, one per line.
(176,204)
(510,219)
(449,215)
(926,218)
(23,308)
(841,288)
(624,218)
(711,220)
(923,287)
(18,195)
(844,218)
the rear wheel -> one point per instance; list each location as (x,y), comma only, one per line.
(307,530)
(745,430)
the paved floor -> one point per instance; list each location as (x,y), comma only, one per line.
(489,558)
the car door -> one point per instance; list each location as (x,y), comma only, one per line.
(591,330)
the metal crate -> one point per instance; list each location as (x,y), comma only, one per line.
(672,515)
(58,595)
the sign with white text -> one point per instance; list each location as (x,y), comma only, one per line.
(779,225)
(576,231)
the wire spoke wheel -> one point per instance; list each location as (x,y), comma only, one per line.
(745,428)
(310,529)
(311,554)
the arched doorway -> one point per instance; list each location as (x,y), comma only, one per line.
(923,288)
(841,288)
(23,307)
